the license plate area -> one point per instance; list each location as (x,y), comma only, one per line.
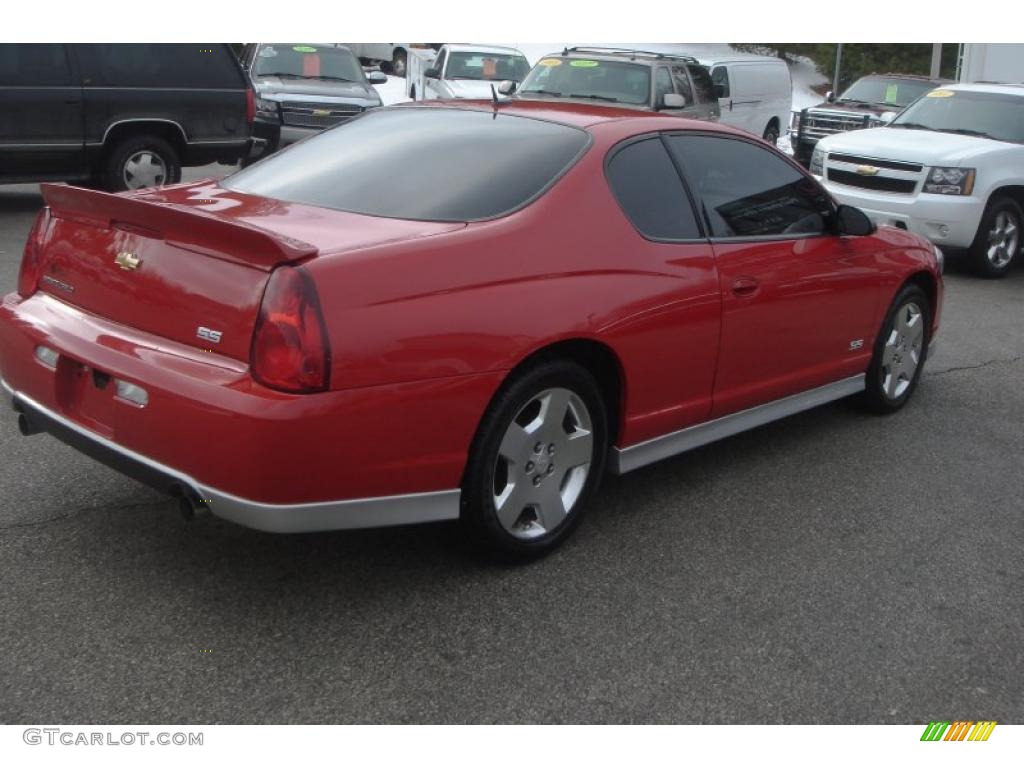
(87,395)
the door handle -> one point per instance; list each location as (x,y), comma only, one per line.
(745,286)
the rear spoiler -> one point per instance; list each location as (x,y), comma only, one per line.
(191,229)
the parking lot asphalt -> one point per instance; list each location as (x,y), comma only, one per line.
(834,567)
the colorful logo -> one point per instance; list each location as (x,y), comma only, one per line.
(958,730)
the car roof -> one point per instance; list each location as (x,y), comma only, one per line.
(576,114)
(739,58)
(620,54)
(472,48)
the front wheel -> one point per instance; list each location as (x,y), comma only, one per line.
(771,134)
(537,458)
(997,243)
(900,351)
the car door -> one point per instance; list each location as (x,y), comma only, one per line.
(41,126)
(797,300)
(433,87)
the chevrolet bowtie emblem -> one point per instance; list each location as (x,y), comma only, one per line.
(867,170)
(127,260)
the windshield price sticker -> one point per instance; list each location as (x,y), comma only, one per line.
(304,49)
(940,94)
(550,62)
(891,91)
(586,63)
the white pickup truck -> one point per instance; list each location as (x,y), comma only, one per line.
(462,71)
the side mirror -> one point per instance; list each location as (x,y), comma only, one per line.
(507,87)
(830,96)
(853,221)
(719,91)
(377,78)
(433,72)
(673,101)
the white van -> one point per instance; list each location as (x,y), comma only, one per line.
(755,93)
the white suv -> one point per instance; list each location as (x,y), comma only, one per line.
(949,167)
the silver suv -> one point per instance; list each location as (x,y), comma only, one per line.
(656,82)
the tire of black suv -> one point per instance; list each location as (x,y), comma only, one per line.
(900,352)
(142,160)
(997,244)
(536,460)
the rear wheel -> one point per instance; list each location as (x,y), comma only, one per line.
(141,161)
(398,63)
(900,351)
(998,243)
(537,458)
(771,133)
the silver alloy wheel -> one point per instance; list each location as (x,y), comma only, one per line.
(145,168)
(902,354)
(1003,239)
(542,464)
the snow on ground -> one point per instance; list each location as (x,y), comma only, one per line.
(802,70)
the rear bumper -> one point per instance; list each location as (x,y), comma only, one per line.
(361,457)
(274,518)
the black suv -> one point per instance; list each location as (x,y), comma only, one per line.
(871,101)
(120,116)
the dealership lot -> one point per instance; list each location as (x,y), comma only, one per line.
(833,567)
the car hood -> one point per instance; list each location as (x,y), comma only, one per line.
(915,146)
(313,89)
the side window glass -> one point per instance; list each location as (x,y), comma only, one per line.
(702,83)
(34,64)
(720,78)
(163,65)
(746,191)
(662,85)
(682,84)
(645,182)
(439,62)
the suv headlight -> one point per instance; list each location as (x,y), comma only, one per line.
(817,166)
(949,181)
(266,108)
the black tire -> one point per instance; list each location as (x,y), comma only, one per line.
(876,397)
(399,62)
(479,515)
(412,93)
(771,133)
(996,267)
(119,155)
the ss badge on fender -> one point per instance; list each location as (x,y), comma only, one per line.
(208,334)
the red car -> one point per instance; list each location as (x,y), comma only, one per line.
(456,311)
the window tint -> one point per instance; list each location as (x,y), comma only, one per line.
(702,82)
(34,64)
(161,65)
(682,84)
(662,85)
(747,191)
(423,163)
(647,186)
(720,77)
(589,78)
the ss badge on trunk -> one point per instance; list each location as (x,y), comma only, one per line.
(208,334)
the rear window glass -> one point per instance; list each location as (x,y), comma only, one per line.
(161,65)
(420,163)
(34,64)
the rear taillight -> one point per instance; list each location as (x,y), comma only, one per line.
(250,106)
(289,345)
(32,256)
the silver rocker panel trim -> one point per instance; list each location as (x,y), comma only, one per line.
(635,456)
(374,512)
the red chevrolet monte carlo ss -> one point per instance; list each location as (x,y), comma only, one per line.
(456,311)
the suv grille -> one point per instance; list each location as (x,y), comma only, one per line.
(878,183)
(818,124)
(317,115)
(895,165)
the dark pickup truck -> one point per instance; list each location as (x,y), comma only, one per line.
(871,101)
(120,116)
